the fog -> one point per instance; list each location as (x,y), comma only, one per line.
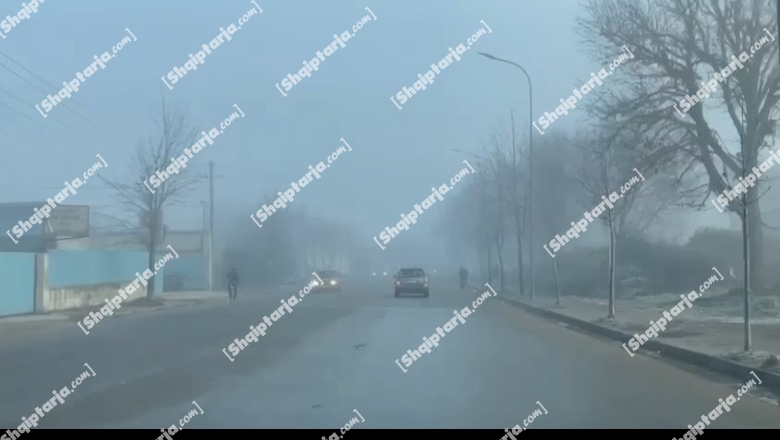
(285,138)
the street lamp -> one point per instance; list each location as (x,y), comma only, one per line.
(530,162)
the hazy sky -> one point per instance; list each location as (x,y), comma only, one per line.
(397,155)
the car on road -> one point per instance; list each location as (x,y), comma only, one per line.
(331,280)
(411,280)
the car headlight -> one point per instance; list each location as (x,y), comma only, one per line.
(315,283)
(332,282)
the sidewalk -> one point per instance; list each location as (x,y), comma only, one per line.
(31,327)
(193,295)
(712,327)
(159,301)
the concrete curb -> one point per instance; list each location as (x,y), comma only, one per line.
(33,317)
(769,379)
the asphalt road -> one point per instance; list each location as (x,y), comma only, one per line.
(336,353)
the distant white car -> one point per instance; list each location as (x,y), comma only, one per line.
(331,280)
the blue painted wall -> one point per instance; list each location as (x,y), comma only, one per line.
(17,283)
(90,267)
(10,215)
(186,272)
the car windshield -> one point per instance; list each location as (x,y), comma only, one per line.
(411,273)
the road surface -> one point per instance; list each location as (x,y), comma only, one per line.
(336,353)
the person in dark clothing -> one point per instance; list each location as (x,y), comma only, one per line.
(464,277)
(232,285)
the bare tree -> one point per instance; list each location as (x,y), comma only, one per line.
(497,196)
(595,177)
(677,44)
(561,191)
(155,154)
(603,171)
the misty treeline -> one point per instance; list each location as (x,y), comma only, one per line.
(285,250)
(289,247)
(632,124)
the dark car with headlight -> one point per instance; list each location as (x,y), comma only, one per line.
(412,280)
(331,280)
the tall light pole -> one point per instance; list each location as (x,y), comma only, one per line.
(530,163)
(204,237)
(210,237)
(211,225)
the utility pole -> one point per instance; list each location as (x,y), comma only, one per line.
(531,183)
(210,229)
(211,225)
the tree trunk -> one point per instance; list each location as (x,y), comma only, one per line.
(611,266)
(152,247)
(500,265)
(746,278)
(756,241)
(519,237)
(557,282)
(490,265)
(481,264)
(748,201)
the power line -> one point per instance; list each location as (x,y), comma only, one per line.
(42,91)
(16,111)
(27,103)
(53,187)
(36,76)
(28,117)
